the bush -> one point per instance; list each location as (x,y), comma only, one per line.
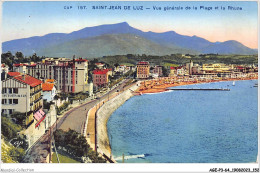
(19,117)
(16,154)
(9,129)
(47,105)
(10,132)
(62,107)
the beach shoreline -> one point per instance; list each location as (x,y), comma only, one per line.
(149,87)
(103,115)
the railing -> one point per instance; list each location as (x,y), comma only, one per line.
(37,109)
(35,101)
(35,92)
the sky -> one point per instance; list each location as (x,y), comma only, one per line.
(26,19)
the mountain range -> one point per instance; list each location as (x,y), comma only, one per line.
(118,39)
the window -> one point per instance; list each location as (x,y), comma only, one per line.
(3,101)
(15,101)
(10,101)
(10,90)
(15,90)
(10,111)
(71,88)
(4,90)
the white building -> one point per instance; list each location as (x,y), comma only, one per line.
(22,93)
(48,91)
(21,68)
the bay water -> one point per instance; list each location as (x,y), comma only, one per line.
(188,126)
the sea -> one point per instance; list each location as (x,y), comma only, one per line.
(191,126)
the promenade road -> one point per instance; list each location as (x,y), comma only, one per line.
(76,118)
(73,119)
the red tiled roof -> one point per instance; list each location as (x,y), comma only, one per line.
(49,80)
(110,69)
(18,65)
(13,73)
(81,60)
(2,65)
(47,86)
(97,71)
(143,63)
(28,80)
(180,67)
(99,63)
(240,67)
(32,65)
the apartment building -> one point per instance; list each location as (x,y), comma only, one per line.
(158,70)
(143,69)
(71,75)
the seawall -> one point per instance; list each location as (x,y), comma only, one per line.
(103,115)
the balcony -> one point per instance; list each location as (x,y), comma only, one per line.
(36,100)
(34,111)
(35,92)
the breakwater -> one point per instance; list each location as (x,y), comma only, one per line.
(103,115)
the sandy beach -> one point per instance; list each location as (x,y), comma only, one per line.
(162,85)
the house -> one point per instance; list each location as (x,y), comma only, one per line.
(48,90)
(100,65)
(173,72)
(100,77)
(158,70)
(21,68)
(177,71)
(22,93)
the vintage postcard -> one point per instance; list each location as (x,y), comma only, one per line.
(124,82)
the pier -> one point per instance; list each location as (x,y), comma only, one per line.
(205,89)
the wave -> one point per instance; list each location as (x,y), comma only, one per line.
(140,156)
(157,92)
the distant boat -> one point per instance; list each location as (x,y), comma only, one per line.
(256,85)
(234,83)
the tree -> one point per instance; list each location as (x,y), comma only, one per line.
(35,58)
(19,55)
(76,145)
(116,65)
(165,71)
(7,58)
(19,117)
(56,97)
